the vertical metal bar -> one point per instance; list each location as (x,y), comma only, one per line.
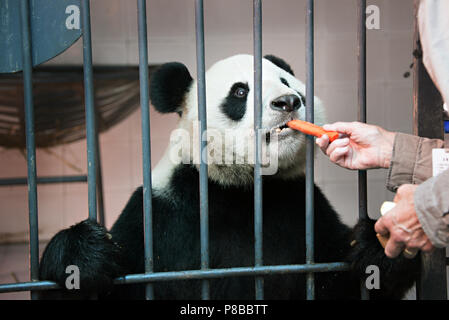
(90,111)
(30,143)
(362,175)
(428,122)
(146,146)
(310,186)
(363,213)
(258,204)
(100,193)
(202,118)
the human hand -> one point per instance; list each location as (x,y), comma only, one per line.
(363,147)
(402,226)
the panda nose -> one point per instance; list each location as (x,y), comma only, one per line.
(287,103)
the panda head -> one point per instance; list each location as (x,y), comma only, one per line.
(230,117)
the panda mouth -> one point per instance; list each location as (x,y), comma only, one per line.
(276,130)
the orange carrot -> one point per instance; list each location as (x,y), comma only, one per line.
(312,129)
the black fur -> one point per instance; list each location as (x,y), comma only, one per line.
(177,243)
(168,87)
(397,273)
(233,106)
(88,246)
(280,63)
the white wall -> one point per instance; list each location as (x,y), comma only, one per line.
(228,24)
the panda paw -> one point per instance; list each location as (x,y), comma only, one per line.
(89,247)
(397,275)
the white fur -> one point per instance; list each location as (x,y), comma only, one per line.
(219,79)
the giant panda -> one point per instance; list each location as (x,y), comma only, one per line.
(102,255)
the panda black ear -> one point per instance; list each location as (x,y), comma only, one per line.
(168,87)
(280,63)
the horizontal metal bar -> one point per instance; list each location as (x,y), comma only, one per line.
(194,274)
(232,272)
(27,286)
(42,180)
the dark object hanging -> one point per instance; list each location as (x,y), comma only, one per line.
(59,103)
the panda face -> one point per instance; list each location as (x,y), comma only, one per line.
(230,117)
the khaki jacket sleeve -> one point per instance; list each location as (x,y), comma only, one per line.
(432,208)
(411,161)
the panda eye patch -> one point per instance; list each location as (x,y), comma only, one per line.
(285,82)
(240,90)
(234,105)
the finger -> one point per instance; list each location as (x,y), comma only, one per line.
(418,240)
(339,154)
(381,228)
(339,143)
(393,248)
(323,143)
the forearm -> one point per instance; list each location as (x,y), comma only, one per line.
(411,160)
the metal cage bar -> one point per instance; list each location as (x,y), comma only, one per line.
(202,118)
(42,180)
(258,188)
(361,56)
(361,95)
(90,111)
(100,189)
(310,185)
(146,143)
(193,274)
(30,143)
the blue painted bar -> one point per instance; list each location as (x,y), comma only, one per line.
(233,272)
(42,180)
(258,204)
(310,187)
(202,118)
(90,110)
(30,143)
(362,174)
(193,274)
(26,286)
(146,144)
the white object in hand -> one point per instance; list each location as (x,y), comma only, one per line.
(387,206)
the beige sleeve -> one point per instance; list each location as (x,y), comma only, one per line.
(411,161)
(432,208)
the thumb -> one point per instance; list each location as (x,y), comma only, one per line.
(341,127)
